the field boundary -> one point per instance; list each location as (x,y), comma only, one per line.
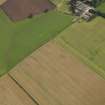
(22,88)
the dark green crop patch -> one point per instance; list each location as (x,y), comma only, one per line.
(19,39)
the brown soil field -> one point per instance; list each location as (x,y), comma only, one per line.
(20,9)
(12,94)
(54,77)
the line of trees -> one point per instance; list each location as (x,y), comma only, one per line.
(95,3)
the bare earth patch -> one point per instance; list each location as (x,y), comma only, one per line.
(20,9)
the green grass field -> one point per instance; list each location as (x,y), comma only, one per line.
(87,41)
(19,39)
(101,7)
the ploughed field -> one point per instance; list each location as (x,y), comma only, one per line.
(52,76)
(20,9)
(19,39)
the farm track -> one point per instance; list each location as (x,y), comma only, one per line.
(51,76)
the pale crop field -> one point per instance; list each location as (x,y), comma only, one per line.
(52,76)
(87,40)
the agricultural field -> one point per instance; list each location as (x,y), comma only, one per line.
(87,41)
(52,76)
(12,94)
(18,39)
(20,9)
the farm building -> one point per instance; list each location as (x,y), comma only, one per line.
(82,9)
(20,9)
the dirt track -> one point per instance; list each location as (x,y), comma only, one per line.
(20,9)
(54,77)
